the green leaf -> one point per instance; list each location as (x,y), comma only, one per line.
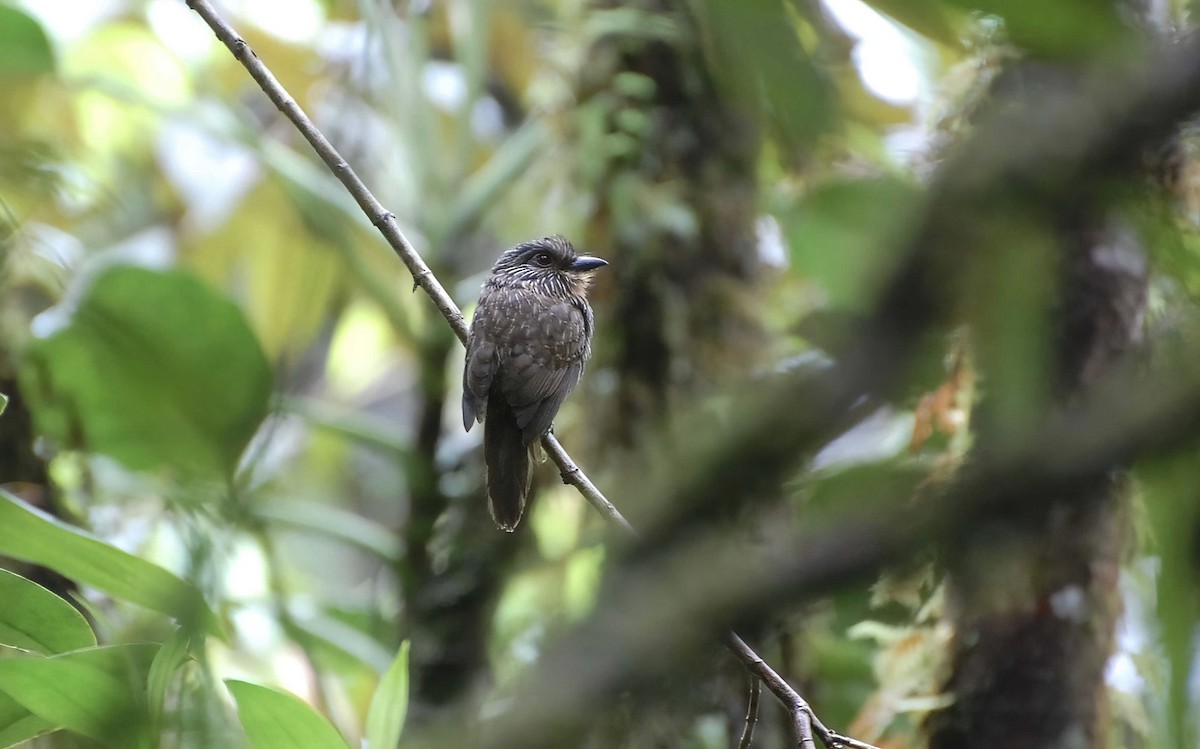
(3,402)
(841,234)
(24,48)
(18,724)
(32,536)
(96,691)
(389,706)
(153,368)
(279,720)
(33,618)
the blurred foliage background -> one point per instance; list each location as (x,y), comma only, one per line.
(230,433)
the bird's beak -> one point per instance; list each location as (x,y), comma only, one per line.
(587,262)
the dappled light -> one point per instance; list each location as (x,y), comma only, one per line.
(867,331)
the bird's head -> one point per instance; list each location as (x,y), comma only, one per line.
(549,265)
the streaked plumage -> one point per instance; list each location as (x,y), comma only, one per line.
(530,339)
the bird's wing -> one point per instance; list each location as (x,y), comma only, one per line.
(544,364)
(479,369)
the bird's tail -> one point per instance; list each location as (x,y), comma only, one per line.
(508,467)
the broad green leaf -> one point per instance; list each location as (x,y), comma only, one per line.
(33,536)
(841,233)
(279,720)
(153,368)
(18,724)
(33,618)
(97,692)
(3,402)
(389,705)
(24,48)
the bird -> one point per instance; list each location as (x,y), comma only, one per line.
(531,336)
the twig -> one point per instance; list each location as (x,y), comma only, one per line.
(803,717)
(751,713)
(424,278)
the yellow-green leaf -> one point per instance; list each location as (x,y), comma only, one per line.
(18,724)
(97,692)
(33,618)
(279,720)
(389,705)
(33,536)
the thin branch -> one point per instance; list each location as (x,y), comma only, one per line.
(751,713)
(424,278)
(803,718)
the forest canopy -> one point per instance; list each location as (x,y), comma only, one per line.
(887,439)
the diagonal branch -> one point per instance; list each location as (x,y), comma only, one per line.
(805,720)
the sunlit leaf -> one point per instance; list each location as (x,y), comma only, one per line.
(293,273)
(32,536)
(3,403)
(33,618)
(279,720)
(153,368)
(389,705)
(96,691)
(24,48)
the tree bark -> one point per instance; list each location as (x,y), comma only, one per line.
(1035,606)
(676,214)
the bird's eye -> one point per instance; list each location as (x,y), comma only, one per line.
(543,259)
